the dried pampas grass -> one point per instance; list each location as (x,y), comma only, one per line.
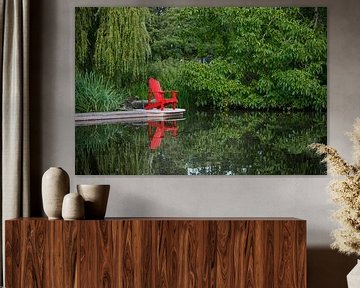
(345,191)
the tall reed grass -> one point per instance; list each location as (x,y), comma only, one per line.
(93,93)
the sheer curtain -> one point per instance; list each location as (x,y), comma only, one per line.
(14,37)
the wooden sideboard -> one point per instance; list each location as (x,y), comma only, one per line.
(156,252)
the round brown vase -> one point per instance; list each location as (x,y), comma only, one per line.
(55,185)
(73,207)
(96,198)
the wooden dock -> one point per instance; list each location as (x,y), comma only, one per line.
(133,116)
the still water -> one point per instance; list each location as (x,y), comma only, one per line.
(205,143)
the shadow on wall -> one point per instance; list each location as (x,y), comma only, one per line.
(328,268)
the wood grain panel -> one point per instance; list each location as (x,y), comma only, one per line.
(33,253)
(127,262)
(269,252)
(12,252)
(154,253)
(105,254)
(55,267)
(301,254)
(71,247)
(161,256)
(224,257)
(243,257)
(96,254)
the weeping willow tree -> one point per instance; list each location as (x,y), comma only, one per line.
(112,41)
(86,24)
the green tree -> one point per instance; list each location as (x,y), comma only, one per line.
(260,57)
(178,33)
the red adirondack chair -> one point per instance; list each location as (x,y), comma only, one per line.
(159,95)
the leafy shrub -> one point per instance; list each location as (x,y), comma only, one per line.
(210,84)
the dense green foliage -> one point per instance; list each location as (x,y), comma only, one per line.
(207,143)
(254,58)
(259,57)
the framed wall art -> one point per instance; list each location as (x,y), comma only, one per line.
(200,91)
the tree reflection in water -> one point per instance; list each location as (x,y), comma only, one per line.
(205,143)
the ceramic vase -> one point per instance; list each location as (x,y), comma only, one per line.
(55,185)
(73,207)
(353,278)
(96,198)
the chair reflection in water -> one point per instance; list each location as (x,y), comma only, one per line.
(160,128)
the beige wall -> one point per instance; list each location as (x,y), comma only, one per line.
(52,122)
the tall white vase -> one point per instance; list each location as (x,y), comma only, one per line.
(353,278)
(55,185)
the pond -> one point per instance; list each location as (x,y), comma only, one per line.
(205,143)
